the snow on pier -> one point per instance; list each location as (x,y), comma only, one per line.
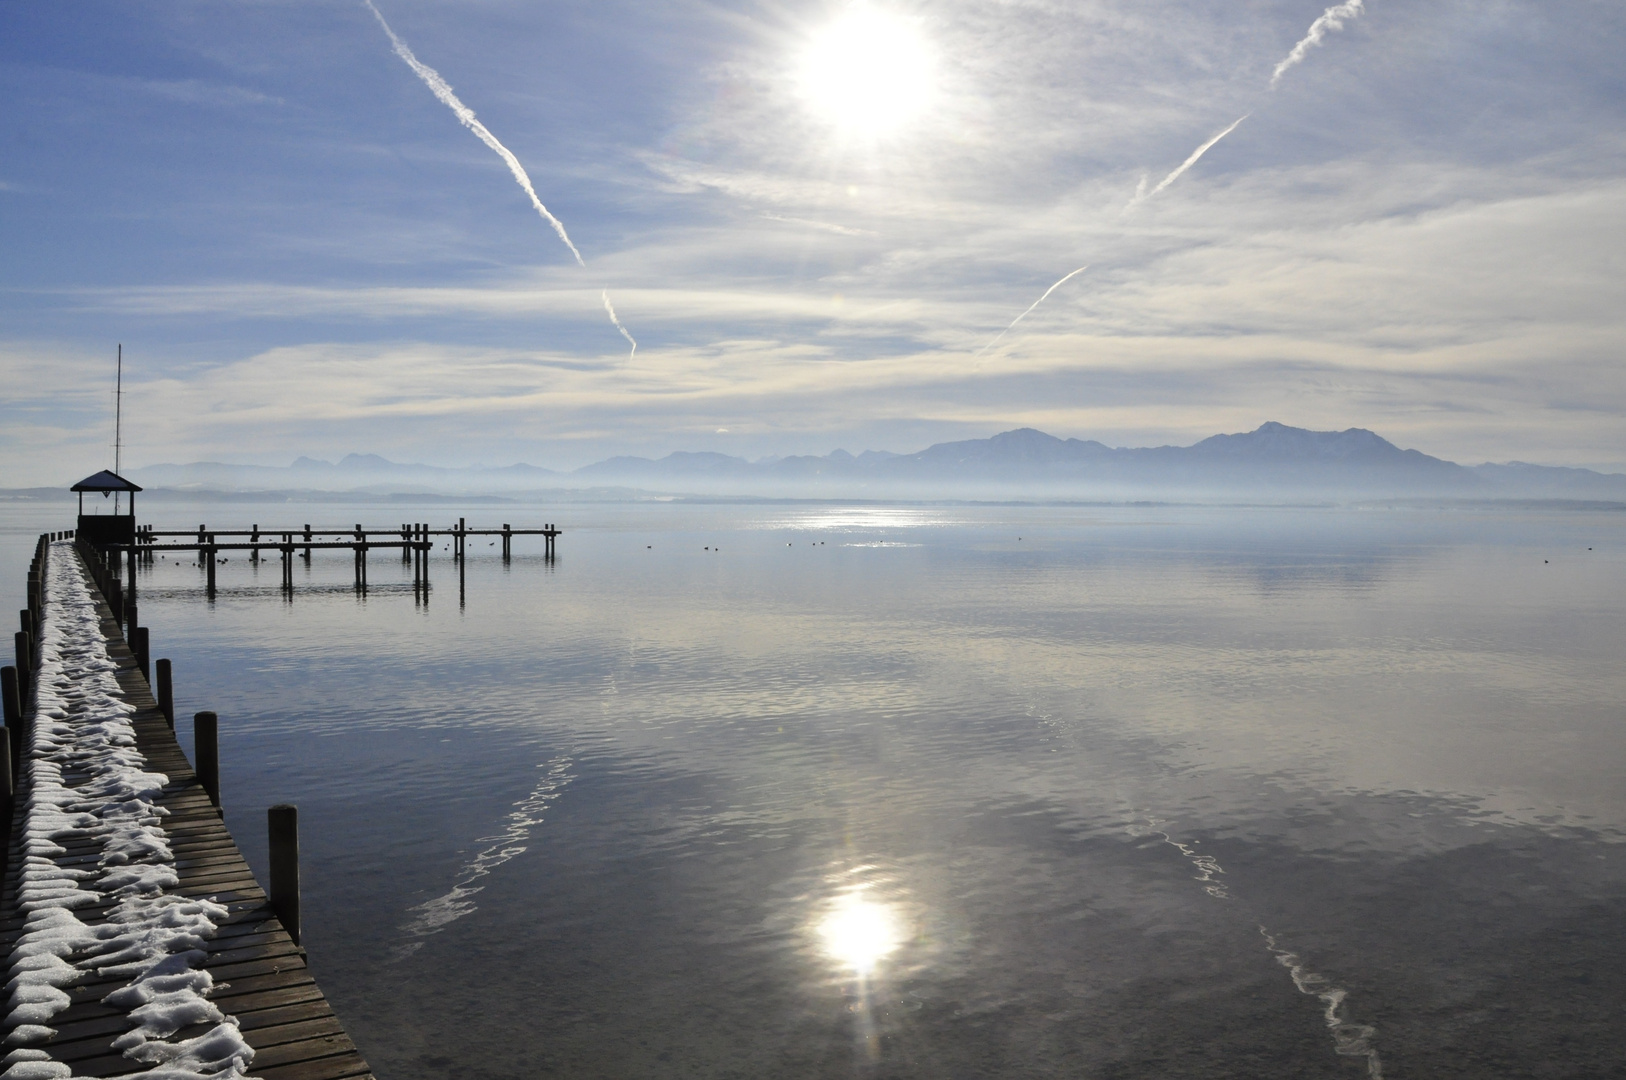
(134,935)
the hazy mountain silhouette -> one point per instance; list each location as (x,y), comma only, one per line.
(1274,460)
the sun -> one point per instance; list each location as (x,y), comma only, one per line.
(868,73)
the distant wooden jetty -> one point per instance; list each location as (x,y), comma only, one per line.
(415,541)
(260,977)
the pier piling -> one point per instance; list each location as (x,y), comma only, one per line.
(25,666)
(13,711)
(206,751)
(166,692)
(138,646)
(8,793)
(282,829)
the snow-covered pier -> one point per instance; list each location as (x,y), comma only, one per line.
(135,938)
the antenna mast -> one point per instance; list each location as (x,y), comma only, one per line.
(118,422)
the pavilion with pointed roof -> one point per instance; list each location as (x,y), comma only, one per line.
(105,530)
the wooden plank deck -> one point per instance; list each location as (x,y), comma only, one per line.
(260,975)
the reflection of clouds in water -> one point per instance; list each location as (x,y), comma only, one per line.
(1348,1038)
(433,916)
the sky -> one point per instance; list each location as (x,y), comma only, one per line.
(814,218)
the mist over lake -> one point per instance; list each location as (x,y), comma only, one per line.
(914,790)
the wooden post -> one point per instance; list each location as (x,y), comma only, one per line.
(282,828)
(8,691)
(206,753)
(25,666)
(8,791)
(166,692)
(201,530)
(115,600)
(130,560)
(361,559)
(209,554)
(420,534)
(138,645)
(254,538)
(462,538)
(406,552)
(13,711)
(507,538)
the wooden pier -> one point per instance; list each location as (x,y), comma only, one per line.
(259,970)
(415,540)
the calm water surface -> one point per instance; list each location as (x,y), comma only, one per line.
(915,791)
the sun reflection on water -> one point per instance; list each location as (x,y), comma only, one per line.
(859,933)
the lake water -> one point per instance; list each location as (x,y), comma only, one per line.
(939,791)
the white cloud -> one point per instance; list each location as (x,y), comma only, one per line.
(1419,236)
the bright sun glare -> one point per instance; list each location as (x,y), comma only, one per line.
(869,72)
(858,933)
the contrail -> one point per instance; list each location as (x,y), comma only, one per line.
(1332,19)
(1141,194)
(609,310)
(1029,311)
(443,91)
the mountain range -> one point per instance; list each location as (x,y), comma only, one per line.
(1274,460)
